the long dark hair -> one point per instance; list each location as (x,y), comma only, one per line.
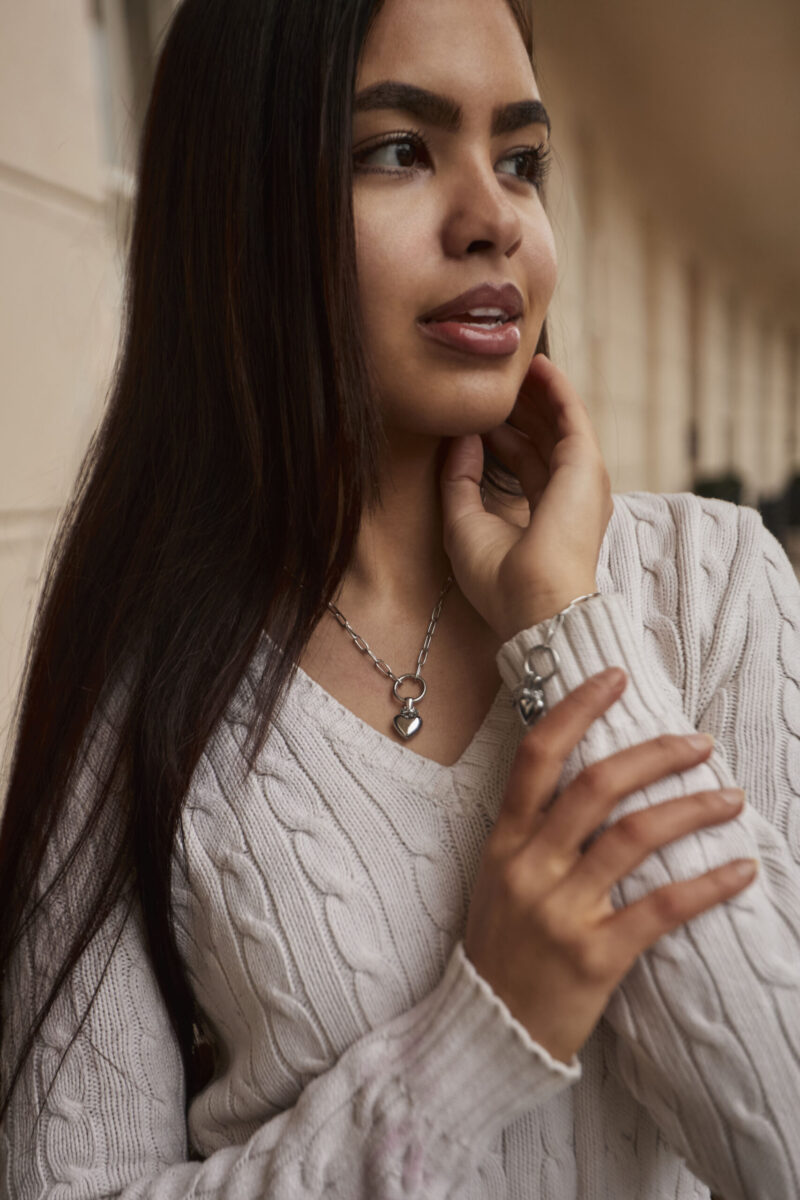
(237,453)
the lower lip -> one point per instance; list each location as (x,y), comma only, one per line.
(494,341)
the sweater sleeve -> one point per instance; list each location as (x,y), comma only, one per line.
(706,1024)
(407,1111)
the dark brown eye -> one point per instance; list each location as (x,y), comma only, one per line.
(406,153)
(399,152)
(533,164)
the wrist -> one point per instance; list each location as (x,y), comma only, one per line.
(526,615)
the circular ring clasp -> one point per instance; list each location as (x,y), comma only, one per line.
(406,699)
(548,652)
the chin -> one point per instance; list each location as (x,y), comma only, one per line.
(460,399)
(448,414)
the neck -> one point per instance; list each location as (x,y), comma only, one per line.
(396,575)
(400,560)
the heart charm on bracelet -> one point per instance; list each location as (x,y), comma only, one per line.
(530,706)
(529,701)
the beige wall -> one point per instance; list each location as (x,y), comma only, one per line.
(60,294)
(658,323)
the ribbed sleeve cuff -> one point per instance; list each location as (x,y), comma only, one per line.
(467,1063)
(596,634)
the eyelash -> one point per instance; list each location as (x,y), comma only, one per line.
(540,156)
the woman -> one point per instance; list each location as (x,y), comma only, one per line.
(428,948)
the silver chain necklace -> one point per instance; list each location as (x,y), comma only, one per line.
(408,721)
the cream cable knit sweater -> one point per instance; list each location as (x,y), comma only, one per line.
(322,899)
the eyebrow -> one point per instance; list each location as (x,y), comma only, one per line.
(445,112)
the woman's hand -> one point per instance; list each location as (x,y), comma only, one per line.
(541,927)
(513,575)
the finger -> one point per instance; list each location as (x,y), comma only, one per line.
(635,836)
(540,755)
(533,415)
(637,926)
(548,407)
(593,794)
(460,480)
(521,456)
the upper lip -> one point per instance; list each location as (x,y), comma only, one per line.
(486,295)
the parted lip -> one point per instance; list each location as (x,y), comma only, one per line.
(486,295)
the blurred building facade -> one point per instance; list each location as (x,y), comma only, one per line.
(678,309)
(674,199)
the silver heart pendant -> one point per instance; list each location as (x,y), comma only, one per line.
(408,723)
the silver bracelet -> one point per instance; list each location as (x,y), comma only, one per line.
(529,699)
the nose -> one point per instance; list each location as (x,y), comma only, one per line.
(481,215)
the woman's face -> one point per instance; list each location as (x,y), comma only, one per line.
(449,203)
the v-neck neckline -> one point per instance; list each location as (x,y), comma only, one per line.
(309,699)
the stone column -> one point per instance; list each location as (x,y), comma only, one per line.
(709,332)
(668,367)
(617,255)
(776,427)
(747,435)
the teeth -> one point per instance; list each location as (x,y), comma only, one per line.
(480,317)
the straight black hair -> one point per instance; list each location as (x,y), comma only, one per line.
(237,453)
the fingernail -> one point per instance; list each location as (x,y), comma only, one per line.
(700,741)
(612,677)
(746,868)
(732,796)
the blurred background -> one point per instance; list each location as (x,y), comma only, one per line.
(675,197)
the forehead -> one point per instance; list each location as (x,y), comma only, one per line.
(452,44)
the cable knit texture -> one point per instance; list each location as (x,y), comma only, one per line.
(322,901)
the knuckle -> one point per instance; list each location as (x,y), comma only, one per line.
(712,799)
(631,831)
(514,882)
(667,906)
(555,927)
(591,959)
(594,779)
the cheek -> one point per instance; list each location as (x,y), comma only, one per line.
(390,256)
(542,266)
(393,256)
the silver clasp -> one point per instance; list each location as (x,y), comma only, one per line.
(529,698)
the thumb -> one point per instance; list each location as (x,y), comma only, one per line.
(461,476)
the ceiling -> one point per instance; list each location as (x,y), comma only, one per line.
(701,98)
